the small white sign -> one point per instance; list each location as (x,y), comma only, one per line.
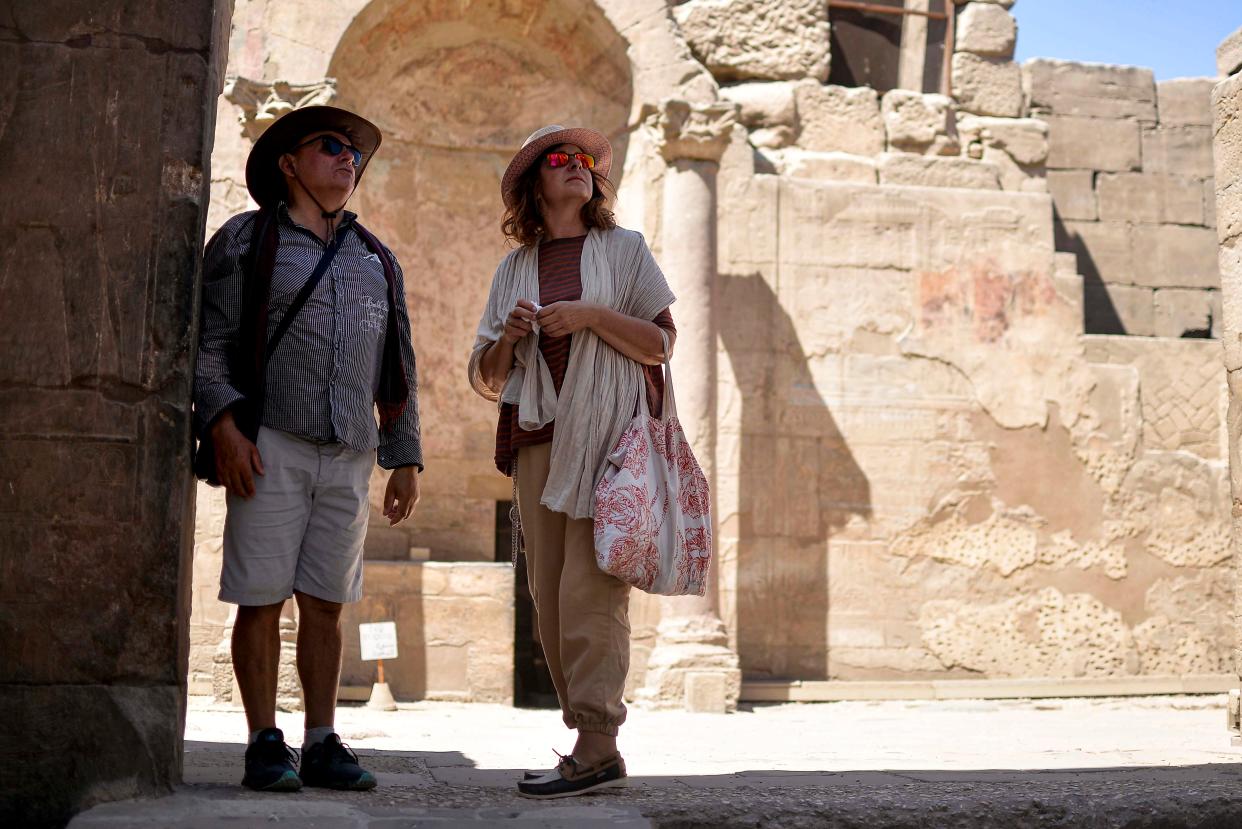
(379,640)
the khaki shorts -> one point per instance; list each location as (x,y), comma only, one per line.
(304,528)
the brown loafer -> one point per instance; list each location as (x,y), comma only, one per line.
(570,778)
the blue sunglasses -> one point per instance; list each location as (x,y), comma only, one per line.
(333,146)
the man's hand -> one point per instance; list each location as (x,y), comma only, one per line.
(237,459)
(562,318)
(518,323)
(401,494)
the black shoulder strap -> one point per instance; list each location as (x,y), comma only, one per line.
(294,307)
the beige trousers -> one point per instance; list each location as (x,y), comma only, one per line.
(582,615)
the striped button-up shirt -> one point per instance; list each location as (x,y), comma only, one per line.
(322,378)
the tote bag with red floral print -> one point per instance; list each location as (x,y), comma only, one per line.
(653,523)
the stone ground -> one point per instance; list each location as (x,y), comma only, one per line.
(1133,762)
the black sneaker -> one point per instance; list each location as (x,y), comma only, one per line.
(332,765)
(571,778)
(269,764)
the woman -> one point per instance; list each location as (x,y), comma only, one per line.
(574,330)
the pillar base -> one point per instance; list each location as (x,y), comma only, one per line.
(692,668)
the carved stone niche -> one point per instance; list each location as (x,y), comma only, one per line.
(262,102)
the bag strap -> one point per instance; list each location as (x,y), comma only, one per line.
(669,406)
(294,307)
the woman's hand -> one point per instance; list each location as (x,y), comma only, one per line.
(563,318)
(518,323)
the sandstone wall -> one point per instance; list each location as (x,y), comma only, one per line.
(1130,171)
(454,630)
(927,469)
(1227,145)
(104,109)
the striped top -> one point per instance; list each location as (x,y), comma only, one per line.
(560,280)
(322,378)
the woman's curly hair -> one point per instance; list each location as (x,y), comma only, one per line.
(523,222)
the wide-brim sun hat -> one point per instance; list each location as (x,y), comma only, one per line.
(543,139)
(264,179)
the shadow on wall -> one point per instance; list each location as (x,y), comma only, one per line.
(799,483)
(1099,314)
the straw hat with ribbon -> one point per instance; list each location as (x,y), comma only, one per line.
(264,179)
(543,139)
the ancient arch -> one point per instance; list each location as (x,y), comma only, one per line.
(455,88)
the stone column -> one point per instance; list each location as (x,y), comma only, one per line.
(105,139)
(691,664)
(1227,150)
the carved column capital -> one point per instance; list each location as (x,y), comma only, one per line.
(262,102)
(697,132)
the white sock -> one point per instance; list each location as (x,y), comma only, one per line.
(316,735)
(254,735)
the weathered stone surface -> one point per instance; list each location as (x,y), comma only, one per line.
(1105,249)
(752,39)
(1173,256)
(1178,150)
(1111,144)
(1229,54)
(1022,178)
(1227,151)
(829,166)
(1073,194)
(1004,4)
(987,86)
(1093,90)
(920,123)
(1131,308)
(839,119)
(764,104)
(1183,311)
(1024,139)
(1185,101)
(928,171)
(1150,197)
(94,391)
(986,29)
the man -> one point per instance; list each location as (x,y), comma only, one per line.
(286,411)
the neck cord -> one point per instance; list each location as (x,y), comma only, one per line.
(330,215)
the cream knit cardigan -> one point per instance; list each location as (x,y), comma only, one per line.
(599,396)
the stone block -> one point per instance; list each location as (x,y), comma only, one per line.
(1118,309)
(829,166)
(1105,250)
(1227,148)
(1209,208)
(1073,194)
(132,731)
(754,39)
(706,693)
(919,123)
(930,171)
(1095,90)
(1024,139)
(1185,101)
(1077,143)
(1180,150)
(1181,312)
(764,104)
(1229,54)
(1174,256)
(987,86)
(986,29)
(1014,176)
(839,119)
(1150,197)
